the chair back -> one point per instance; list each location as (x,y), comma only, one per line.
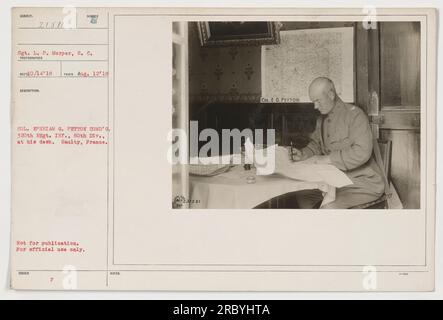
(385,147)
(382,153)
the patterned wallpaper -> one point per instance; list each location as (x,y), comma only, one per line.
(223,73)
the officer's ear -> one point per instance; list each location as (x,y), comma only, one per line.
(331,94)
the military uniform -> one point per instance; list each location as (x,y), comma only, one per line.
(345,135)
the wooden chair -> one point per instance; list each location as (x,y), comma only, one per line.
(385,152)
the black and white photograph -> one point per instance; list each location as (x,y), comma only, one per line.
(222,150)
(331,108)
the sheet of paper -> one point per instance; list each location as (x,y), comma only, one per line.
(307,171)
(316,172)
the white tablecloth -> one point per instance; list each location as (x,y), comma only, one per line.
(231,190)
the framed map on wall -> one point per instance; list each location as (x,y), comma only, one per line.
(303,55)
(231,33)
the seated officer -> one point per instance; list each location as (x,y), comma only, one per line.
(342,138)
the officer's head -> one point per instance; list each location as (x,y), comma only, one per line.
(322,93)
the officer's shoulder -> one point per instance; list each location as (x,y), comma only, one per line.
(354,114)
(353,110)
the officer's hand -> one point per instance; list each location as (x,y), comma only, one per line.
(296,155)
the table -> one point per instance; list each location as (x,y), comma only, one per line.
(231,189)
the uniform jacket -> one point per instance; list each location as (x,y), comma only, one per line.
(346,136)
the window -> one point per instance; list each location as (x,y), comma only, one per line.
(400,64)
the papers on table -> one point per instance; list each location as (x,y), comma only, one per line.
(315,173)
(306,171)
(209,166)
(272,160)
